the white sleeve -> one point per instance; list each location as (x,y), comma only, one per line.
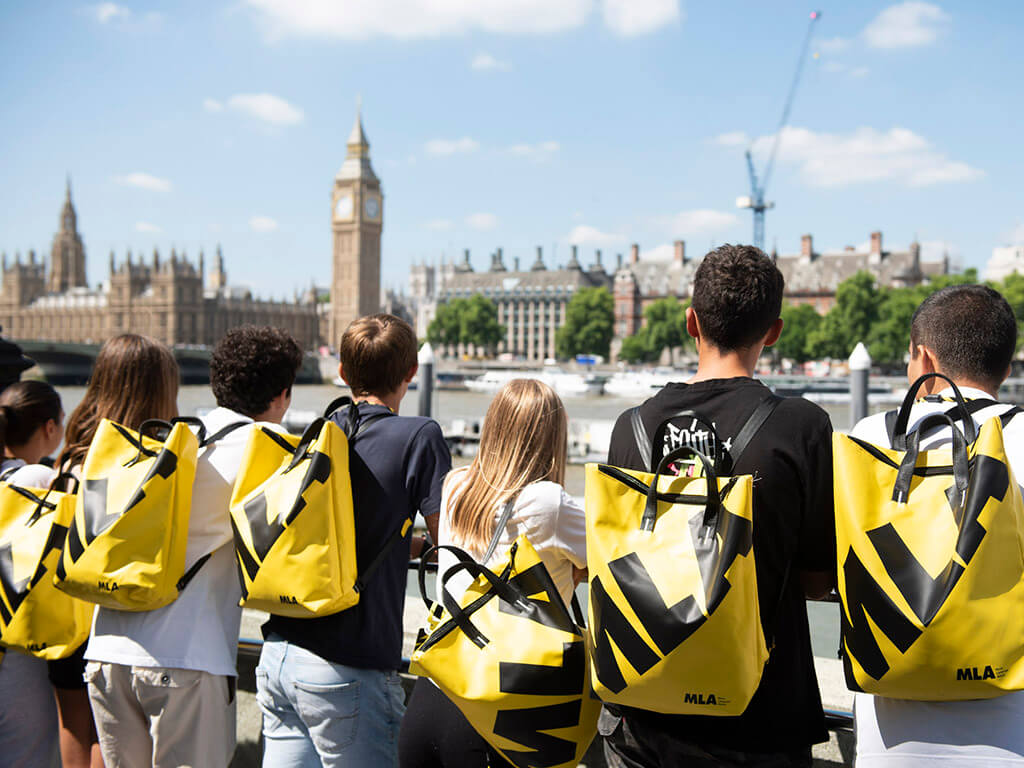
(571,531)
(32,476)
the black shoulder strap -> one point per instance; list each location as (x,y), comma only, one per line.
(643,442)
(757,419)
(223,432)
(973,407)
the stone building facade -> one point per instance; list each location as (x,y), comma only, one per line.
(531,303)
(638,284)
(170,299)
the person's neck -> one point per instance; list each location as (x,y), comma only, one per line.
(391,401)
(713,363)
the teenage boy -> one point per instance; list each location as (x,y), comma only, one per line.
(968,333)
(329,687)
(737,297)
(162,683)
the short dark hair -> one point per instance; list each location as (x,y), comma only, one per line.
(970,328)
(377,353)
(737,295)
(251,365)
(25,406)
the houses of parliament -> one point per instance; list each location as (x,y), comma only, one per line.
(176,300)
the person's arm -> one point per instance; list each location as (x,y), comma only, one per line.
(78,743)
(816,558)
(429,463)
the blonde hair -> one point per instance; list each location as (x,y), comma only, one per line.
(135,378)
(523,441)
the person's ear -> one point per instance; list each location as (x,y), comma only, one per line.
(774,332)
(692,326)
(341,373)
(412,372)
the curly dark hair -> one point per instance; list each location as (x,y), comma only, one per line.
(737,296)
(251,365)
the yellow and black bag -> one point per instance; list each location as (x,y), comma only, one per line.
(292,564)
(34,616)
(511,657)
(126,544)
(674,613)
(930,548)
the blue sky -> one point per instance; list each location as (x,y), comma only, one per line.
(511,123)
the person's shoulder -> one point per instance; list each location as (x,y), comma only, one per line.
(32,476)
(801,415)
(544,493)
(871,428)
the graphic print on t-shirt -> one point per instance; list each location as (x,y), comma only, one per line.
(690,431)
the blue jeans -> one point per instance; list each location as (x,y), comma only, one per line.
(317,713)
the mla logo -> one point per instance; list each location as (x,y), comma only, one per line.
(987,672)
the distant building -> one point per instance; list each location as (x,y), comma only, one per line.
(169,299)
(638,284)
(813,278)
(1004,262)
(531,303)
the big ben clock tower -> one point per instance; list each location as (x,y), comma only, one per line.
(357,216)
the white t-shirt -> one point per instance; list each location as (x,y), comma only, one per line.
(552,520)
(895,733)
(199,630)
(27,475)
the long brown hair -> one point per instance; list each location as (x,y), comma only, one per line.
(523,441)
(135,378)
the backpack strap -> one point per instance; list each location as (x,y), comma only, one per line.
(643,442)
(757,419)
(220,434)
(972,407)
(499,528)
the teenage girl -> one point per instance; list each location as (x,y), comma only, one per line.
(521,457)
(135,378)
(31,428)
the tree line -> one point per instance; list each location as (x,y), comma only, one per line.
(863,311)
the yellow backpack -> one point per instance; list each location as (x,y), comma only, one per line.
(675,620)
(292,516)
(930,564)
(34,616)
(511,657)
(126,544)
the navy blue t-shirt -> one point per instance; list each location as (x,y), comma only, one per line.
(397,465)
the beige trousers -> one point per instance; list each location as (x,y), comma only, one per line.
(164,718)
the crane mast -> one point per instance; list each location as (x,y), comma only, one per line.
(755,201)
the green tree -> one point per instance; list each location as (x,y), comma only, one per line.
(799,322)
(665,325)
(589,316)
(466,321)
(637,348)
(1012,289)
(849,321)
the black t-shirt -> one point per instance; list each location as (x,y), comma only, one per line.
(791,461)
(397,465)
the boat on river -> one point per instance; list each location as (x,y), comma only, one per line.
(564,383)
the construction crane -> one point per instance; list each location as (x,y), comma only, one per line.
(755,201)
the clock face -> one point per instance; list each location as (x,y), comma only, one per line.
(343,208)
(372,206)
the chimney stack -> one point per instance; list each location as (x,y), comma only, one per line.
(634,253)
(618,261)
(679,252)
(876,244)
(806,247)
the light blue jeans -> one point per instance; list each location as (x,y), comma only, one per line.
(316,713)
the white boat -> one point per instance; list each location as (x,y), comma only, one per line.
(641,384)
(564,383)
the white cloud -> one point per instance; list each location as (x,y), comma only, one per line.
(833,44)
(106,12)
(1017,235)
(143,181)
(439,225)
(859,72)
(451,146)
(262,224)
(839,67)
(145,226)
(266,107)
(541,151)
(864,156)
(663,252)
(409,19)
(212,105)
(629,18)
(731,139)
(907,25)
(484,62)
(482,221)
(584,234)
(702,221)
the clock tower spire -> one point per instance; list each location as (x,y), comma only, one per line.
(357,217)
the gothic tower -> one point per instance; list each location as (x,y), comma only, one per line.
(67,257)
(357,213)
